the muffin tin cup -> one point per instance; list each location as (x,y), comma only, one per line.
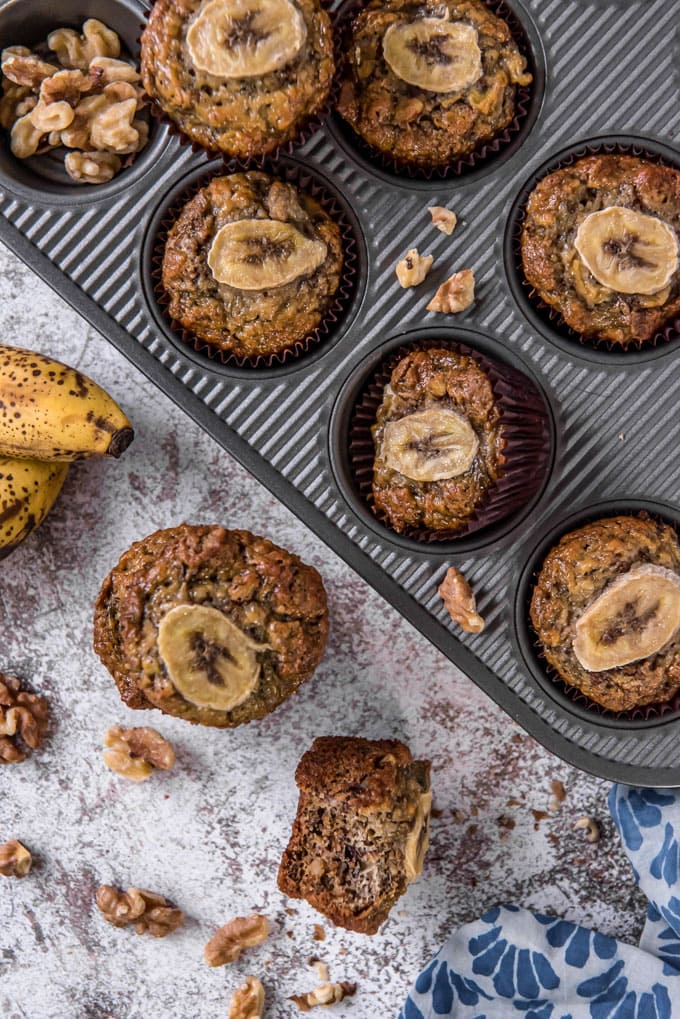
(488,155)
(306,128)
(338,310)
(548,320)
(43,179)
(527,431)
(549,680)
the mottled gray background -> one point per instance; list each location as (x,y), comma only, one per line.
(210,833)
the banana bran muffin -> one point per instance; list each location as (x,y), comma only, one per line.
(238,76)
(251,264)
(600,245)
(427,83)
(606,610)
(214,626)
(438,441)
(361,830)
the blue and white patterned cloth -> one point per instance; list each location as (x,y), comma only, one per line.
(513,962)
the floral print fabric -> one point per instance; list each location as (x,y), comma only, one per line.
(512,962)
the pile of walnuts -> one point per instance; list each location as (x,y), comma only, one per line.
(88,101)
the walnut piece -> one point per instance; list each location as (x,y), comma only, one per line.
(113,70)
(557,796)
(136,753)
(590,825)
(149,912)
(321,968)
(15,859)
(25,138)
(53,117)
(443,219)
(455,294)
(92,168)
(460,601)
(413,268)
(65,86)
(229,941)
(74,50)
(23,720)
(25,68)
(247,1001)
(325,994)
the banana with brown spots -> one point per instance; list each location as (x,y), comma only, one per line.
(28,490)
(49,411)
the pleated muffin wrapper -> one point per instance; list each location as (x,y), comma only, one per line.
(525,434)
(306,128)
(644,713)
(338,305)
(669,333)
(485,151)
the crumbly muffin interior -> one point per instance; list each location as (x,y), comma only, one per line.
(349,853)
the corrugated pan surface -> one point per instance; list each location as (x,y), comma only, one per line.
(611,70)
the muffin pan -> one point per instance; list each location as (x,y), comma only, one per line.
(615,427)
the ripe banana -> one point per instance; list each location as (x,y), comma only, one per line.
(49,411)
(28,490)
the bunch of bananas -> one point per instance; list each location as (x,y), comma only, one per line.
(50,415)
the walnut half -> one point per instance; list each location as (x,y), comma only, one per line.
(23,721)
(149,912)
(413,268)
(136,753)
(325,994)
(229,941)
(455,294)
(460,601)
(247,1001)
(15,859)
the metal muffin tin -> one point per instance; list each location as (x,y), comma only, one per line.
(616,426)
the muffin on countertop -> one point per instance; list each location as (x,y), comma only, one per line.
(606,610)
(438,441)
(217,627)
(238,76)
(251,264)
(428,83)
(361,830)
(600,246)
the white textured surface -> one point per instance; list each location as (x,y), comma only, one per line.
(209,834)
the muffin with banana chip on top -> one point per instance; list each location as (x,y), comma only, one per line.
(428,83)
(438,439)
(600,245)
(251,264)
(215,626)
(606,610)
(238,76)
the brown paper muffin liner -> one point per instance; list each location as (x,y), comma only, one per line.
(485,151)
(525,432)
(644,713)
(338,304)
(671,330)
(306,128)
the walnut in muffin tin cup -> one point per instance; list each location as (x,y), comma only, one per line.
(97,46)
